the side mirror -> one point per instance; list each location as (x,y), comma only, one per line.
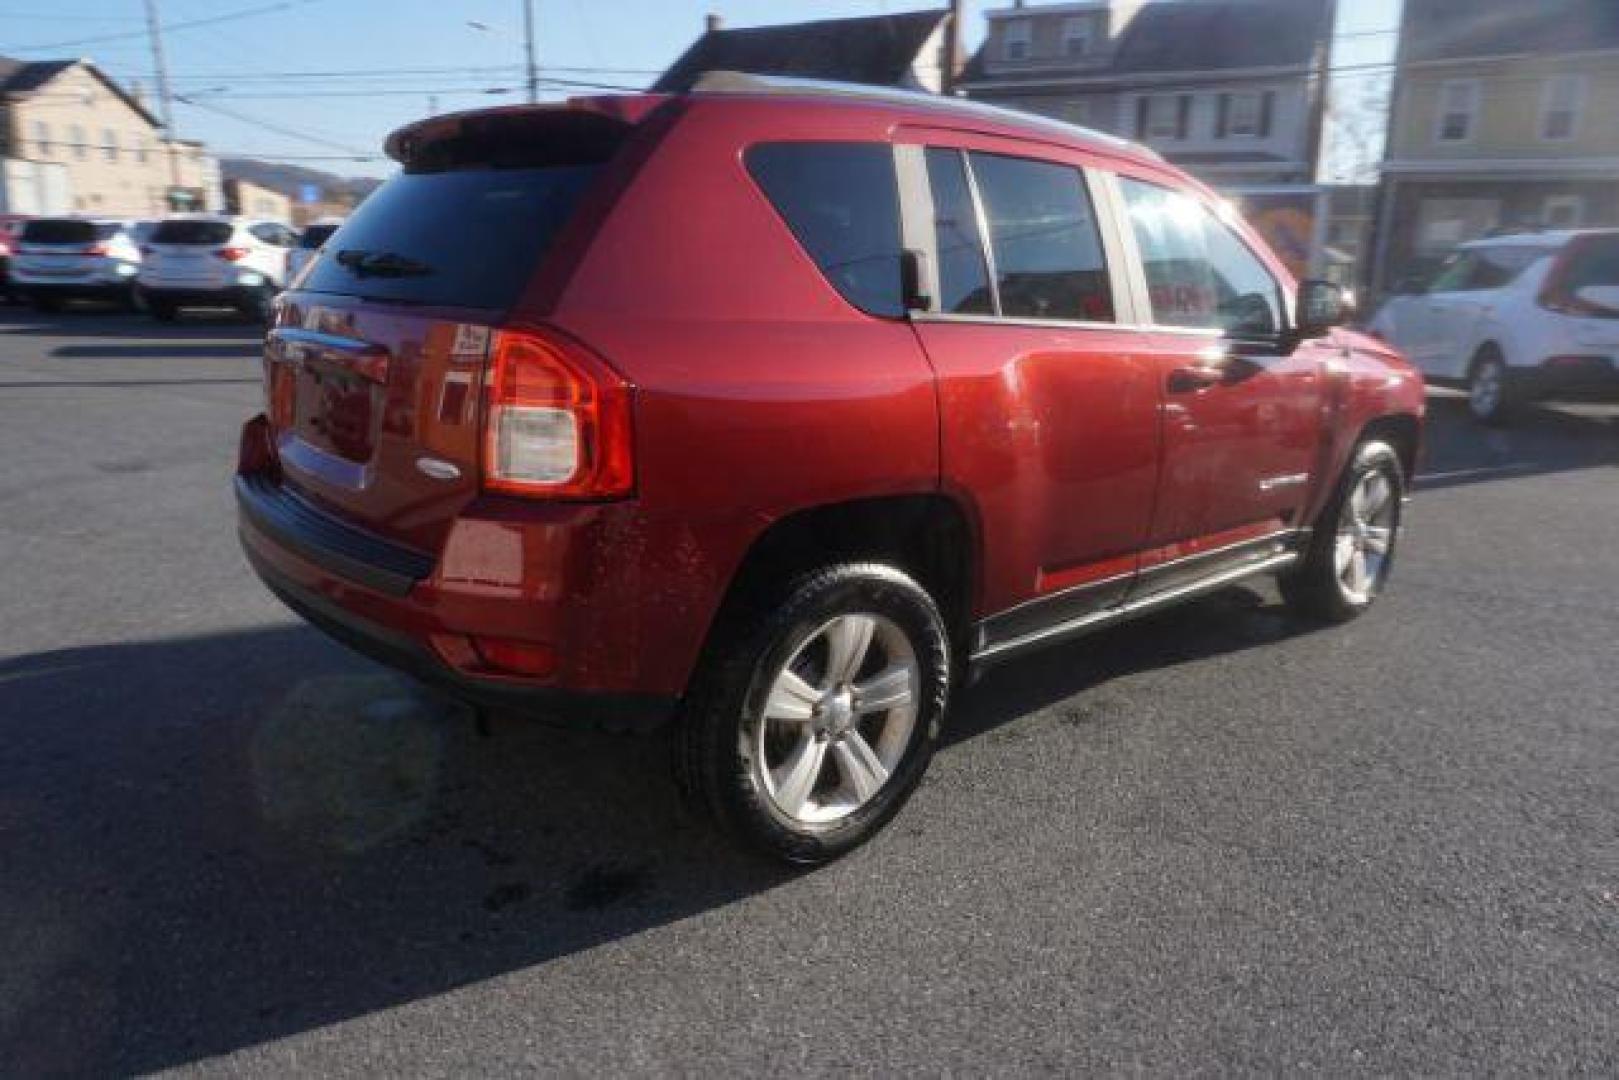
(1322,305)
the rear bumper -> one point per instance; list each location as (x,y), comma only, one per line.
(411,612)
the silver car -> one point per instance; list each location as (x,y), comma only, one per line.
(58,259)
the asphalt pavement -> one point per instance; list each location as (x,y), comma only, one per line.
(1215,841)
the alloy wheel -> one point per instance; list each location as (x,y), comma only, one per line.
(1484,393)
(837,720)
(1365,537)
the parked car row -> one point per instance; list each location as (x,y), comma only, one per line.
(187,261)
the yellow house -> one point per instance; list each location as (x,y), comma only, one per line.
(118,161)
(1505,118)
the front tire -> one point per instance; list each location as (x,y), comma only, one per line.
(1351,550)
(813,720)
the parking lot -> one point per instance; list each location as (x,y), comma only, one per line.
(1212,841)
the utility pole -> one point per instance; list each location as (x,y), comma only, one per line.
(165,99)
(952,48)
(528,47)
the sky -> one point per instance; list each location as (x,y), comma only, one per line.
(322,82)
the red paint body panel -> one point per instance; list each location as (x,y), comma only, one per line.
(760,392)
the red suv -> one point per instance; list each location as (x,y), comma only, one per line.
(781,409)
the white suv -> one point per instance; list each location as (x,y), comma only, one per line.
(199,261)
(1515,319)
(58,259)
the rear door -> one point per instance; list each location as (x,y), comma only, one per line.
(1241,403)
(375,361)
(1048,409)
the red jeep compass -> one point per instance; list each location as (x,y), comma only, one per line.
(780,408)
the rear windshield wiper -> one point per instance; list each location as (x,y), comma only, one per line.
(381,264)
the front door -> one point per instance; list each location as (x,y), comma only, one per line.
(1048,408)
(1241,405)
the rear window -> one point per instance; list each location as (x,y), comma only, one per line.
(58,231)
(192,232)
(841,201)
(463,238)
(315,236)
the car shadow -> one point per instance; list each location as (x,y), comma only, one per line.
(91,322)
(1458,450)
(212,842)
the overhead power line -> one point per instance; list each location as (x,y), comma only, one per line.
(263,9)
(290,133)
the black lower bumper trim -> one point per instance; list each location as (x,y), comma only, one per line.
(604,711)
(345,550)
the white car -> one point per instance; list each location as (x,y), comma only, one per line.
(310,240)
(58,259)
(207,261)
(1515,319)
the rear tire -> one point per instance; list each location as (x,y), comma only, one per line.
(812,720)
(1351,551)
(162,310)
(1490,395)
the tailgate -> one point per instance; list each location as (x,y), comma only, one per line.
(375,412)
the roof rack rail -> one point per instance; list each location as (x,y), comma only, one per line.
(741,82)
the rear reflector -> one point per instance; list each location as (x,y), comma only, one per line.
(556,420)
(231,254)
(516,657)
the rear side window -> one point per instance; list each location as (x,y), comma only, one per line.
(58,231)
(1200,274)
(1043,239)
(1591,276)
(192,232)
(841,201)
(468,237)
(963,277)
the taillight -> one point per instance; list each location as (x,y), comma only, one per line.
(95,249)
(231,254)
(556,420)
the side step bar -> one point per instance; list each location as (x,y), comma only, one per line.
(990,655)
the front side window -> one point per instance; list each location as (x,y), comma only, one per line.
(1486,267)
(1043,238)
(1458,106)
(1200,274)
(841,201)
(1560,104)
(963,278)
